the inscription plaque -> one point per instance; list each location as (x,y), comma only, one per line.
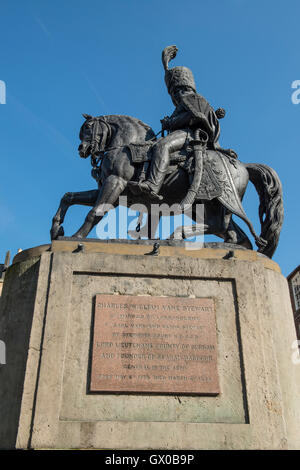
(154,345)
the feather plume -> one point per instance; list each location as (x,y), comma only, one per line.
(168,54)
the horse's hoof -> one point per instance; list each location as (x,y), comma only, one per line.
(76,235)
(61,232)
(56,232)
(177,235)
(245,242)
(261,243)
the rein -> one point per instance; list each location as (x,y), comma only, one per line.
(98,152)
(101,128)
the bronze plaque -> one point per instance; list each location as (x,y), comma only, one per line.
(154,345)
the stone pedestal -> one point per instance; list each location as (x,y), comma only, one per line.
(47,316)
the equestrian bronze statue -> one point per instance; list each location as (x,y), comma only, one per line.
(187,166)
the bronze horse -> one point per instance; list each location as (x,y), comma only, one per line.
(118,141)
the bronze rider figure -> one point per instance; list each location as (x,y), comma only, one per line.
(192,111)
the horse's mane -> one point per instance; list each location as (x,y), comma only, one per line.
(115,117)
(119,121)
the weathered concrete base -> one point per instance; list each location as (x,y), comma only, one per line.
(46,316)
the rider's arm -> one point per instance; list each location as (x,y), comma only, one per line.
(184,118)
(202,122)
(180,119)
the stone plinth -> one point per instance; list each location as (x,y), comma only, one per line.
(47,320)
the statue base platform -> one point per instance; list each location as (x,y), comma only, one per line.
(58,319)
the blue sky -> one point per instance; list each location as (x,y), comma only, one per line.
(63,58)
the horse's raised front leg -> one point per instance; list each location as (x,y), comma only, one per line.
(107,199)
(84,198)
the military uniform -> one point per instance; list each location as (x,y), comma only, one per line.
(192,112)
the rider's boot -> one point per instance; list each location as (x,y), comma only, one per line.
(158,168)
(145,187)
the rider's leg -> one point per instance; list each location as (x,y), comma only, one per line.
(161,152)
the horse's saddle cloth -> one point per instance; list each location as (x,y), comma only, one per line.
(141,153)
(215,181)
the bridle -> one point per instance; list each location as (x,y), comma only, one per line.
(101,135)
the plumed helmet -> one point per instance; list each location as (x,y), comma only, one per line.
(177,76)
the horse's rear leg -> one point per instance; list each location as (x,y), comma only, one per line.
(236,235)
(221,224)
(203,223)
(212,220)
(84,198)
(107,199)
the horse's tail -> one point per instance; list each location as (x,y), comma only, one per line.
(269,189)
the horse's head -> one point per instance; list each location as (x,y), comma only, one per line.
(94,135)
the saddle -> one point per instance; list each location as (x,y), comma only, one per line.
(214,181)
(141,153)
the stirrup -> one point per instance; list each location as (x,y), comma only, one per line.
(141,187)
(134,187)
(146,189)
(153,195)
